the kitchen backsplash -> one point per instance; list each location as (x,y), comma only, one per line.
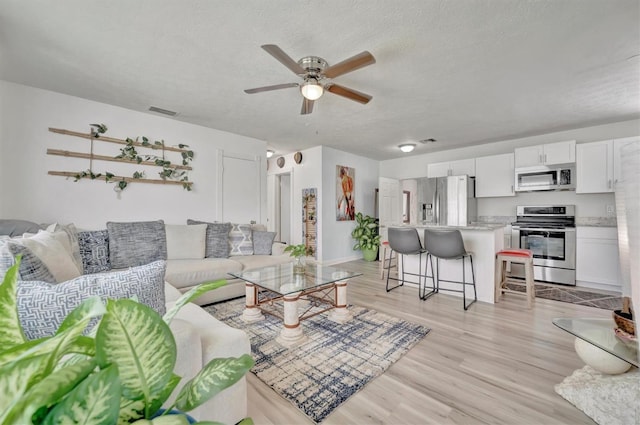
(496,219)
(596,221)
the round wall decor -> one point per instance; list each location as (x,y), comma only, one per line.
(280,162)
(297,157)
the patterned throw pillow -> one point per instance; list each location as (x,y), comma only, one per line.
(31,267)
(136,243)
(240,240)
(217,238)
(262,242)
(42,307)
(94,250)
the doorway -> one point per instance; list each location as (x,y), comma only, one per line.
(283,211)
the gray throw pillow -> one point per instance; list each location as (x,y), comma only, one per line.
(262,242)
(17,227)
(136,243)
(217,245)
(42,307)
(94,250)
(31,267)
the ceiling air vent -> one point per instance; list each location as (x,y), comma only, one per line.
(163,111)
(425,141)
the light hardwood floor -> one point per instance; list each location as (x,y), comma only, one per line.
(493,364)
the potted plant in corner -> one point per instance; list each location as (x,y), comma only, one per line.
(299,252)
(366,236)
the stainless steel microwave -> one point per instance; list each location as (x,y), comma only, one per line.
(545,178)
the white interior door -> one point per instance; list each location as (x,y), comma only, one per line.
(240,189)
(389,204)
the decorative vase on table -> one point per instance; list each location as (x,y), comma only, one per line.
(298,265)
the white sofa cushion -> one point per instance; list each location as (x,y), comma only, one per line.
(250,262)
(217,340)
(187,273)
(185,242)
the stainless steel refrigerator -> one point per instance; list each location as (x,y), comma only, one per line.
(447,201)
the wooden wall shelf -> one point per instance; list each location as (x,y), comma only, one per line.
(186,154)
(113,140)
(116,179)
(71,154)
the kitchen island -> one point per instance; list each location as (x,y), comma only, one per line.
(482,240)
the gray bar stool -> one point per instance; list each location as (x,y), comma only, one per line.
(448,245)
(406,241)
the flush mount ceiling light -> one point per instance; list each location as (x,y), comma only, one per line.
(270,153)
(407,147)
(311,89)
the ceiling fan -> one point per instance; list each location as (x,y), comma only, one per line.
(317,74)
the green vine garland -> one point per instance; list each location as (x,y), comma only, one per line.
(129,152)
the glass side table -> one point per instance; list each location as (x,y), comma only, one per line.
(598,346)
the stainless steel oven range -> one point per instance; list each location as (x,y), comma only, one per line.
(549,231)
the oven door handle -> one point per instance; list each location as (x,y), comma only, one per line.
(538,229)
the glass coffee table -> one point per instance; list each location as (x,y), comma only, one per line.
(600,333)
(293,297)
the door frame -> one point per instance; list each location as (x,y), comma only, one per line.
(274,204)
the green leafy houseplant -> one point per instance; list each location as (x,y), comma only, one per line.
(298,252)
(120,372)
(366,235)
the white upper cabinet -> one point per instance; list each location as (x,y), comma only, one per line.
(617,156)
(598,165)
(452,168)
(549,154)
(594,167)
(438,169)
(495,176)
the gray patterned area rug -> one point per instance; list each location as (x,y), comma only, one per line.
(334,363)
(574,295)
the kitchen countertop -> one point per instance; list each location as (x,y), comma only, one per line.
(473,226)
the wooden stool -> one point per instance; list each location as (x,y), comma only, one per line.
(523,256)
(384,248)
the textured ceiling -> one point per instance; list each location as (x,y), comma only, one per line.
(462,72)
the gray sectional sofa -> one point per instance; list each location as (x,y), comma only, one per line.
(173,257)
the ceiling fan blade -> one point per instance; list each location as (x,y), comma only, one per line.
(307,106)
(354,62)
(348,93)
(269,88)
(285,59)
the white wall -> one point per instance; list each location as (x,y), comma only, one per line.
(318,169)
(587,205)
(27,191)
(337,244)
(307,174)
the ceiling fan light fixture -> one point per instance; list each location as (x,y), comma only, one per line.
(311,90)
(407,147)
(270,153)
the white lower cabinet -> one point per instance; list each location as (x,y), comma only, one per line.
(597,258)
